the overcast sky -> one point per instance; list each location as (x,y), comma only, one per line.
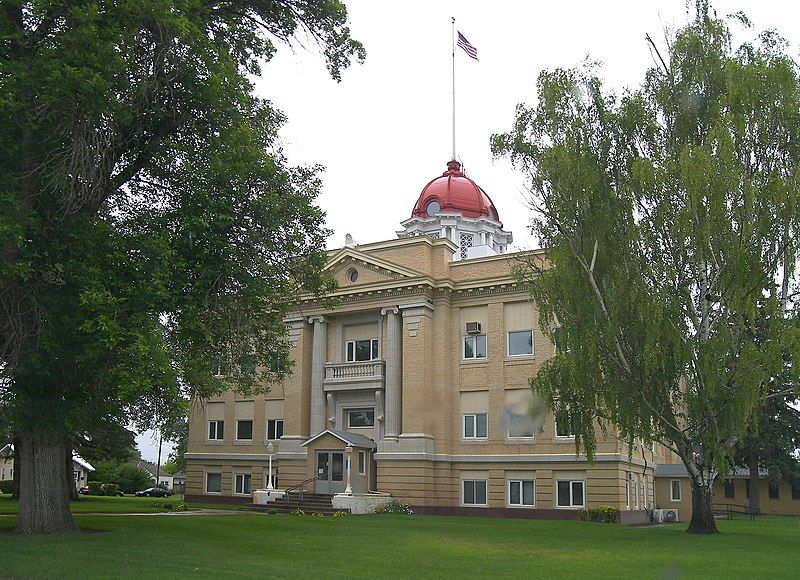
(385,130)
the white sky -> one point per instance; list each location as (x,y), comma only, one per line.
(385,130)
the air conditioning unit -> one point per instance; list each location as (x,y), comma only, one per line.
(665,516)
(473,327)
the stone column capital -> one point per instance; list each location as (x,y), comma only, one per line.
(392,309)
(316,319)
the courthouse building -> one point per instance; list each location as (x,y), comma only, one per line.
(420,374)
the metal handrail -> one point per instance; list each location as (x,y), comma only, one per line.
(299,486)
(728,509)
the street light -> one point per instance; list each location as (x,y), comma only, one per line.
(270,450)
(349,450)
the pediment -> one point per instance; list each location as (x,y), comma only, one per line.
(370,269)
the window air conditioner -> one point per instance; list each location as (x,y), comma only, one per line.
(473,327)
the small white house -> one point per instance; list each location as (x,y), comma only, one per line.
(157,475)
(80,467)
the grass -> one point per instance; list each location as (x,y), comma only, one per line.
(256,545)
(98,504)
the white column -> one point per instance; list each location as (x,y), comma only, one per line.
(349,452)
(394,369)
(318,374)
(270,450)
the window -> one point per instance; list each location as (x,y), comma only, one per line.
(644,494)
(361,418)
(773,490)
(362,350)
(628,491)
(636,494)
(274,429)
(521,492)
(475,346)
(795,490)
(362,462)
(213,482)
(433,208)
(274,478)
(675,490)
(74,475)
(729,488)
(467,241)
(520,426)
(520,342)
(242,483)
(216,430)
(247,364)
(474,492)
(569,493)
(244,430)
(476,426)
(564,424)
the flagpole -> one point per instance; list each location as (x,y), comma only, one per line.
(453,46)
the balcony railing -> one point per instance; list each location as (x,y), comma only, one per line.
(355,372)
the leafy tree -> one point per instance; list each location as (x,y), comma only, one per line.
(103,441)
(150,226)
(127,476)
(669,221)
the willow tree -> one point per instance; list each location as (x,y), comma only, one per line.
(151,229)
(670,223)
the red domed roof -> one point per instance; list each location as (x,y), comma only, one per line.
(455,192)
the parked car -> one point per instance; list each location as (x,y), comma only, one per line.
(153,492)
(84,490)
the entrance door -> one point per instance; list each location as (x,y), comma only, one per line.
(330,472)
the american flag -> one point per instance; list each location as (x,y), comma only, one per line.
(468,48)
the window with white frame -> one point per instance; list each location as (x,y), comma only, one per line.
(213,482)
(564,424)
(476,426)
(521,492)
(569,493)
(644,493)
(520,342)
(636,493)
(474,492)
(362,350)
(242,483)
(475,346)
(362,462)
(628,491)
(274,429)
(360,418)
(274,478)
(216,430)
(675,490)
(244,430)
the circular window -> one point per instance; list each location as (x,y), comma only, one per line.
(352,274)
(433,208)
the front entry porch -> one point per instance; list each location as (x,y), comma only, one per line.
(341,462)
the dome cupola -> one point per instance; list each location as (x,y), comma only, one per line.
(453,206)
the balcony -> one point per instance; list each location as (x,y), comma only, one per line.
(354,375)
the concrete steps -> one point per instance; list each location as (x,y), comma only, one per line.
(312,503)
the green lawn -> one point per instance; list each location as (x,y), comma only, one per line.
(99,504)
(398,546)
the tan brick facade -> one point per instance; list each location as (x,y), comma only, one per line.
(452,414)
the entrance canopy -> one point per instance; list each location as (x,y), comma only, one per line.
(353,439)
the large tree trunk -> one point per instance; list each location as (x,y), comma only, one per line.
(754,501)
(43,498)
(703,521)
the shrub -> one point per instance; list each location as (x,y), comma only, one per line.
(110,489)
(273,511)
(338,514)
(180,506)
(7,486)
(298,512)
(95,488)
(606,514)
(317,515)
(393,507)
